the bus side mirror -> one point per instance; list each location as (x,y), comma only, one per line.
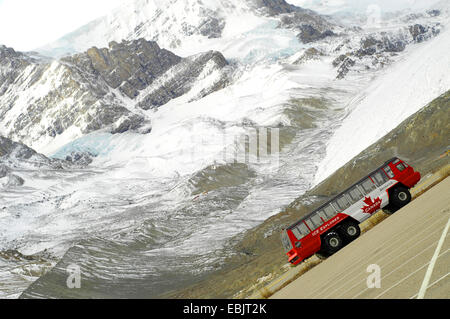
(298,244)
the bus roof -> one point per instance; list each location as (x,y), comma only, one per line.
(340,194)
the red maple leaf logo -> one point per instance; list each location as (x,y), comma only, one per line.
(372,205)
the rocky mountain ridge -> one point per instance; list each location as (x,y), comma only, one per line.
(106,88)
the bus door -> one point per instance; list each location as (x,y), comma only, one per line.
(307,243)
(381,179)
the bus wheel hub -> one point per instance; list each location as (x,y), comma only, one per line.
(334,242)
(402,196)
(351,231)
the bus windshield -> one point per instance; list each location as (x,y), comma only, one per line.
(287,245)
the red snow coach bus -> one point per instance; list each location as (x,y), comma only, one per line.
(336,223)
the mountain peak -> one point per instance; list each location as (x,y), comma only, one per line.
(274,7)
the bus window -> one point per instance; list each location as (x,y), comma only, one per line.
(389,172)
(317,221)
(343,202)
(368,186)
(287,245)
(322,215)
(383,175)
(401,167)
(310,224)
(380,178)
(300,231)
(355,194)
(330,211)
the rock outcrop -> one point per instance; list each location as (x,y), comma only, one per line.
(273,7)
(311,26)
(422,33)
(308,55)
(14,154)
(376,49)
(129,67)
(17,156)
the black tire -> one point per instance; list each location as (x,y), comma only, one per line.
(349,231)
(331,243)
(400,197)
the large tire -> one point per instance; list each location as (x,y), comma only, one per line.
(399,198)
(349,231)
(331,243)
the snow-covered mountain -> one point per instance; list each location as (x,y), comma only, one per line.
(180,25)
(160,198)
(47,104)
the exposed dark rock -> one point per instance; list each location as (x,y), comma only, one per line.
(345,67)
(422,33)
(338,61)
(434,13)
(12,64)
(181,79)
(417,31)
(378,48)
(274,7)
(8,148)
(310,34)
(13,154)
(14,181)
(80,158)
(371,45)
(212,26)
(310,54)
(312,26)
(15,255)
(130,66)
(131,122)
(394,46)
